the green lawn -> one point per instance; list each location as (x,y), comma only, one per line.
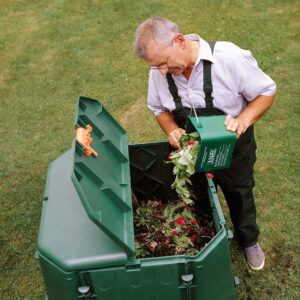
(53,51)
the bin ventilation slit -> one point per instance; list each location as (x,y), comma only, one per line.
(110,194)
(80,167)
(118,155)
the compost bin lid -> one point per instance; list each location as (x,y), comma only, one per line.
(101,172)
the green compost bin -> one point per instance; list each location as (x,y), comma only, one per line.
(86,237)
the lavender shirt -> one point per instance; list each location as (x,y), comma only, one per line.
(236,80)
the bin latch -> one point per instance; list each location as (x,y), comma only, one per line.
(187,283)
(84,138)
(85,289)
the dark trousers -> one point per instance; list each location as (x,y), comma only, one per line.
(237,185)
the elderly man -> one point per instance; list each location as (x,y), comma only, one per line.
(188,74)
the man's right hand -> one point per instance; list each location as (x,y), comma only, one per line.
(174,136)
(169,126)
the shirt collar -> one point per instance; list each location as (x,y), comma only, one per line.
(204,49)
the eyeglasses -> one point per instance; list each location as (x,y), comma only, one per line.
(164,65)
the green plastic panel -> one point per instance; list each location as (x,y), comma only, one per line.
(162,278)
(67,236)
(103,182)
(150,175)
(217,143)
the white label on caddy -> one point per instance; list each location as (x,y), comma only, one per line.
(222,155)
(211,156)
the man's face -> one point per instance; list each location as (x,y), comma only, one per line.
(168,59)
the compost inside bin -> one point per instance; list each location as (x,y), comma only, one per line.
(166,228)
(173,228)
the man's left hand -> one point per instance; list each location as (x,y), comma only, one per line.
(235,125)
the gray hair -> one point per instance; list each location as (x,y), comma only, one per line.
(158,29)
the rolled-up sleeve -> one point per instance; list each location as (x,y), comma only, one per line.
(254,82)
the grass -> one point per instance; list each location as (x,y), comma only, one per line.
(53,51)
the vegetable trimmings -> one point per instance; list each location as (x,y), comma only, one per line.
(184,161)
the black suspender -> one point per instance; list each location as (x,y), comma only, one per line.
(174,91)
(207,84)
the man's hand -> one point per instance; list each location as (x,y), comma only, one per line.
(253,112)
(171,129)
(235,125)
(174,136)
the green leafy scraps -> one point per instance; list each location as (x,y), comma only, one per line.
(184,161)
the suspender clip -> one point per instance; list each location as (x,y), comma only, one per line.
(207,88)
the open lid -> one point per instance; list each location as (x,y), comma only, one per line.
(101,172)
